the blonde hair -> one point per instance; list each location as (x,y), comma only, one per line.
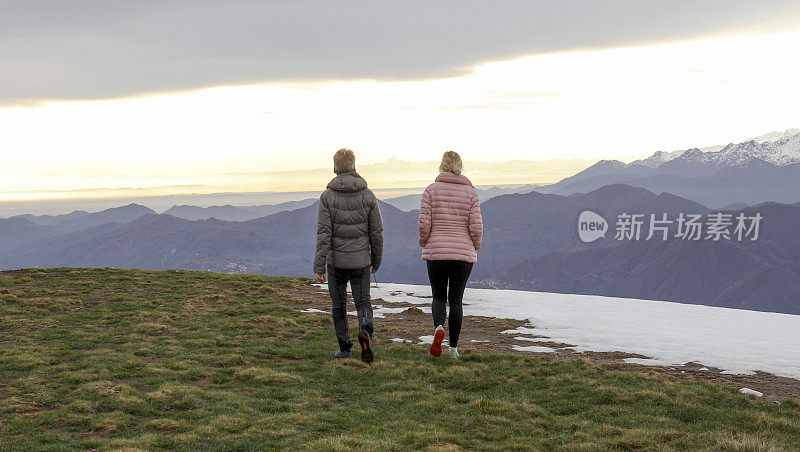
(451,163)
(344,161)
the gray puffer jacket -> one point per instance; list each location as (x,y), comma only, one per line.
(349,225)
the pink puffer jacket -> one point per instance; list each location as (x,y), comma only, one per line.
(450,224)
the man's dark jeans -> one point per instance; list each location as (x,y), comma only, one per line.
(337,286)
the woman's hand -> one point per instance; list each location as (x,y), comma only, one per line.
(320,277)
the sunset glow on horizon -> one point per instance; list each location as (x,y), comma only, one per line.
(590,105)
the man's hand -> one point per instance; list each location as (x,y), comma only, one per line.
(320,277)
(373,270)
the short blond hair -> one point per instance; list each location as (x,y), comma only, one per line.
(344,161)
(451,163)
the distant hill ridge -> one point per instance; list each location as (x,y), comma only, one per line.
(235,213)
(79,218)
(522,233)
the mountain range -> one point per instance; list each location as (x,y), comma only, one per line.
(288,237)
(759,275)
(525,226)
(81,219)
(235,213)
(280,244)
(530,242)
(411,202)
(751,172)
(244,213)
(530,238)
(22,229)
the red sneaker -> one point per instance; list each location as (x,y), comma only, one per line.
(438,337)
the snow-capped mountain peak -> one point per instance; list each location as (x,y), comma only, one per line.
(775,136)
(784,151)
(777,148)
(658,158)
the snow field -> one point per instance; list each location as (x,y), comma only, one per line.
(671,334)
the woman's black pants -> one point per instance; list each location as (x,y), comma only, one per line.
(453,274)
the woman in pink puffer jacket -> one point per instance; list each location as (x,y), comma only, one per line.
(450,230)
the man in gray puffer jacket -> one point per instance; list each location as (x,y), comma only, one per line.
(350,245)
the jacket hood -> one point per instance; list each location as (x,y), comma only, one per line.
(453,179)
(347,182)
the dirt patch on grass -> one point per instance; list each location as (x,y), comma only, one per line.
(203,382)
(485,335)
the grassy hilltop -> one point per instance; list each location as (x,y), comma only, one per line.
(133,359)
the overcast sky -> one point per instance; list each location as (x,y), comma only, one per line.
(105,49)
(144,94)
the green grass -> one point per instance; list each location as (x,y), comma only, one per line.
(130,359)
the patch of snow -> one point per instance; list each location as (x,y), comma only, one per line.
(751,391)
(533,339)
(479,341)
(650,362)
(734,340)
(533,348)
(379,312)
(703,368)
(312,310)
(400,339)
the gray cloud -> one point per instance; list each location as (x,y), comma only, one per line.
(106,49)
